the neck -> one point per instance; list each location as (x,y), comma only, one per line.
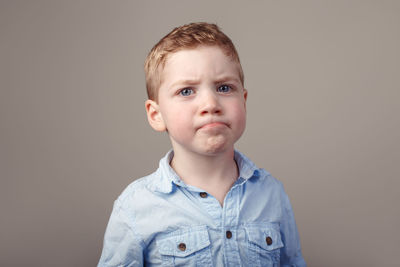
(213,173)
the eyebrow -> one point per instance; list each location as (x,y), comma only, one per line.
(195,81)
(228,78)
(185,82)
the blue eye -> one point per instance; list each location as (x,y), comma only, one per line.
(186,91)
(224,88)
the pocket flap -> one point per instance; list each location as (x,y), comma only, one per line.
(267,237)
(182,243)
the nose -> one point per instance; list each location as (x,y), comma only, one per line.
(210,103)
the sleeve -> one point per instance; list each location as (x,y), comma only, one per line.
(122,245)
(291,252)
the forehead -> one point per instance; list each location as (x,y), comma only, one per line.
(198,62)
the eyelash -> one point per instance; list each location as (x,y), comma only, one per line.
(181,92)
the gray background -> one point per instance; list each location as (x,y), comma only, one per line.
(323,117)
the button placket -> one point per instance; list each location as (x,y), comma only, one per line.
(209,204)
(229,222)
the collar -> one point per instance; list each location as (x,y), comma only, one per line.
(166,180)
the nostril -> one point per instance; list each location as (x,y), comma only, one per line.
(214,110)
(204,112)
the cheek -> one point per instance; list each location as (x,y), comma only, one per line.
(239,112)
(182,124)
(239,116)
(178,121)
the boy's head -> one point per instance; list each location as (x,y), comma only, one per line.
(187,36)
(196,92)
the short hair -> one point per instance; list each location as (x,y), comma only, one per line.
(188,36)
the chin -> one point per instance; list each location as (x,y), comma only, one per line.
(216,145)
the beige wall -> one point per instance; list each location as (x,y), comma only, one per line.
(323,117)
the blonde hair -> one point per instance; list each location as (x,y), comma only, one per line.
(188,36)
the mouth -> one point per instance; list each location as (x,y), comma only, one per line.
(215,124)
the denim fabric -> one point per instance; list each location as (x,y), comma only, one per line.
(160,221)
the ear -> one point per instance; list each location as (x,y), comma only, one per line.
(154,116)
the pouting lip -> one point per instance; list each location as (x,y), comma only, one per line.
(211,124)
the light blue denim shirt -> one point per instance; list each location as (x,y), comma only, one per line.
(160,221)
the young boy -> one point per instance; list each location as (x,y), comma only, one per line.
(207,204)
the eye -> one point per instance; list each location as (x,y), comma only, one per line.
(186,91)
(224,88)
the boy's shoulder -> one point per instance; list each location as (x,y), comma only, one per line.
(140,188)
(144,188)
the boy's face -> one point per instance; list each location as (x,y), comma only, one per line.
(201,101)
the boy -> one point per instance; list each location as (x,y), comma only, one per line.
(207,204)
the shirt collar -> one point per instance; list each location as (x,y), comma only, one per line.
(166,179)
(247,169)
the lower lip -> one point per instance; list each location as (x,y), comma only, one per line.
(212,125)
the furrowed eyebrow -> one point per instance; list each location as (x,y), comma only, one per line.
(228,79)
(189,82)
(185,82)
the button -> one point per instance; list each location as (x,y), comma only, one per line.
(268,240)
(203,194)
(228,234)
(182,246)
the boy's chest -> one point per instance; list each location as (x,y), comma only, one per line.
(191,227)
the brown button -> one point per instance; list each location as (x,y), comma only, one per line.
(203,195)
(228,234)
(182,246)
(268,240)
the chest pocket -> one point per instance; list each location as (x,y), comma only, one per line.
(188,247)
(264,243)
